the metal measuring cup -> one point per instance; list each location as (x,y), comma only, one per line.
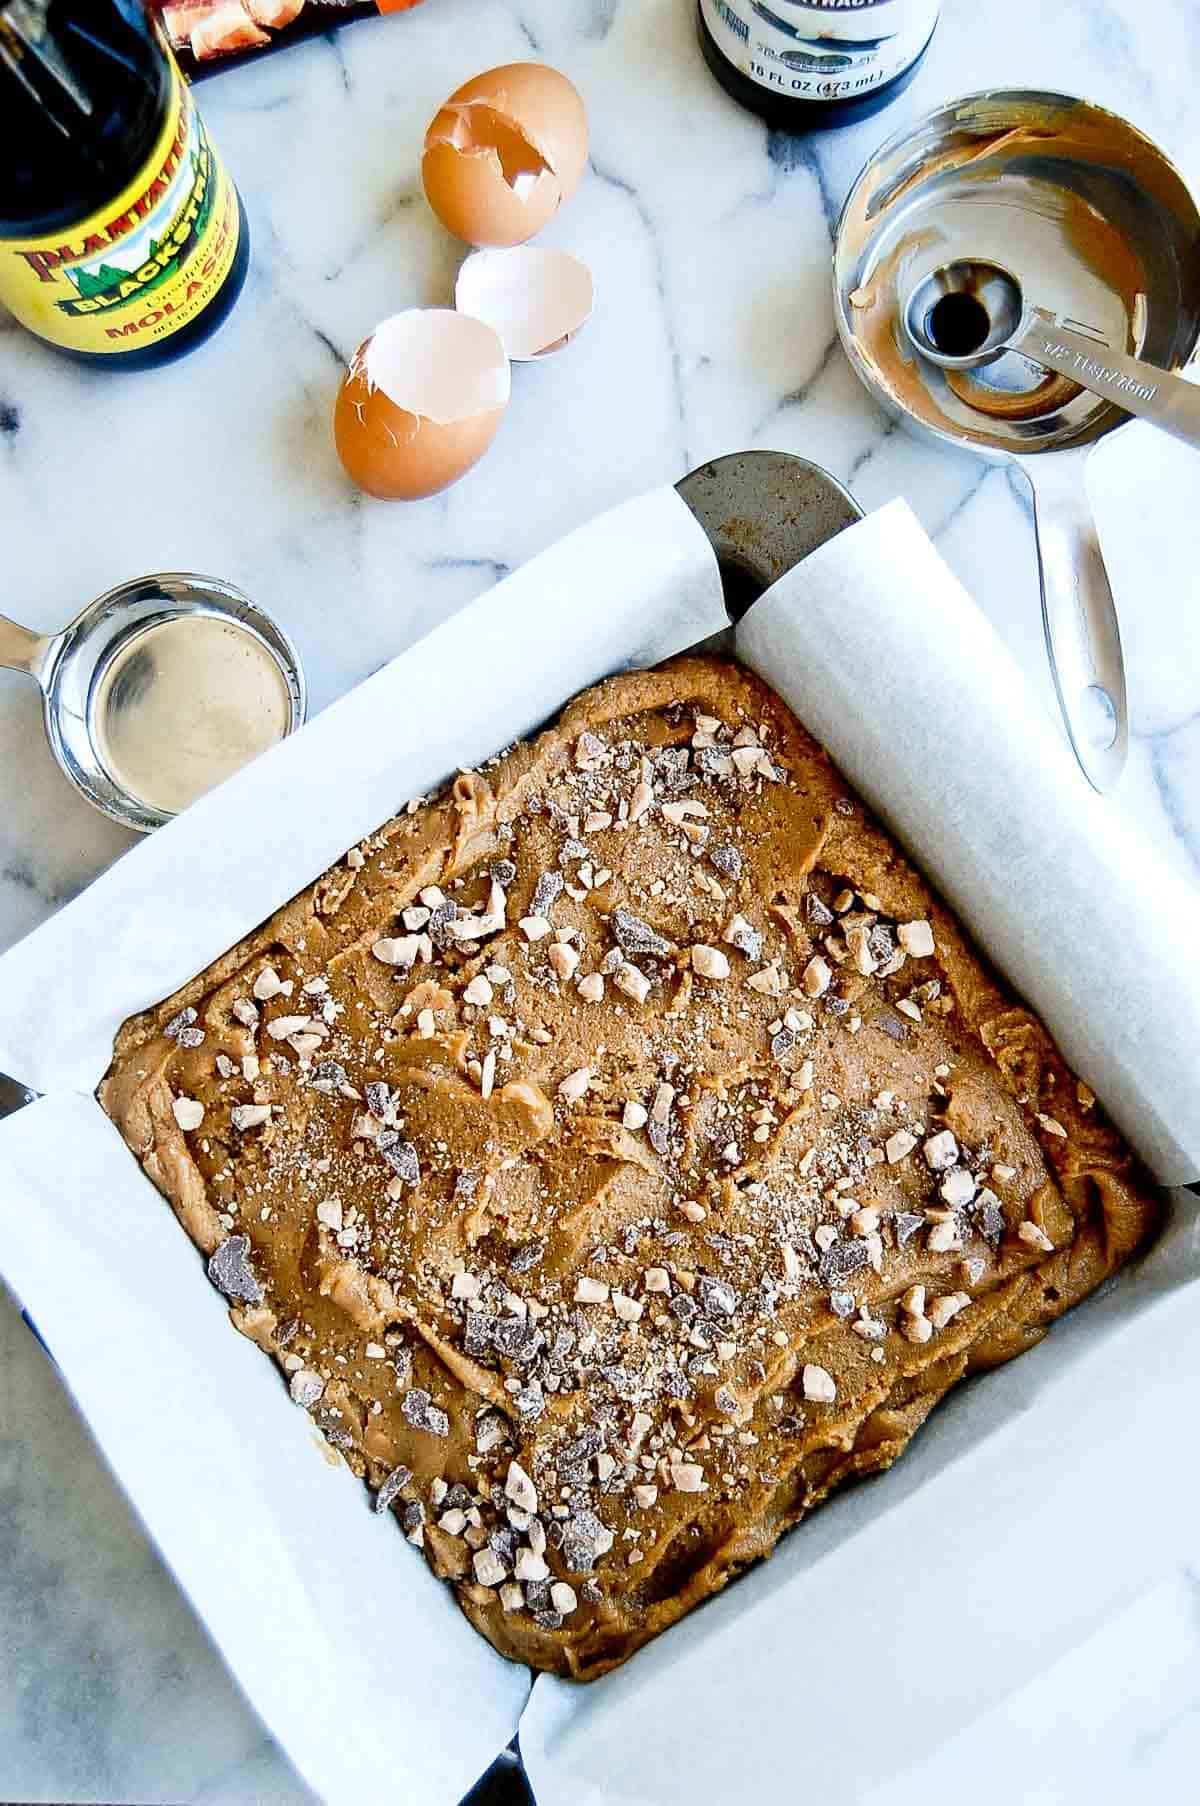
(1084,208)
(102,680)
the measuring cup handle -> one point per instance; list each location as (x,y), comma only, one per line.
(21,650)
(1082,634)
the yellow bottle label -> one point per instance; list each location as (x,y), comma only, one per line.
(153,259)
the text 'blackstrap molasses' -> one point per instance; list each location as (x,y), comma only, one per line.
(820,63)
(122,238)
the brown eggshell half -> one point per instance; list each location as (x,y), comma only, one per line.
(420,403)
(504,152)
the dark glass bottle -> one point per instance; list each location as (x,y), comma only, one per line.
(804,65)
(123,241)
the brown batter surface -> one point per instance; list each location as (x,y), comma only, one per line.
(621,1151)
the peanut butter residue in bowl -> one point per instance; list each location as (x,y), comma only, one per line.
(1046,186)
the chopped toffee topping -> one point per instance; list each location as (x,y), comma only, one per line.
(609,1141)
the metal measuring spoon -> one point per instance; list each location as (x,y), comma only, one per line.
(158,690)
(968,313)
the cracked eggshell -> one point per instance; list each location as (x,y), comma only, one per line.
(534,298)
(420,403)
(504,153)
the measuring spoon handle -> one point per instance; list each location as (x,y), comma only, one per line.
(1082,634)
(1157,395)
(22,650)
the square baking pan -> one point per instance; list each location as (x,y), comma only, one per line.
(188,1414)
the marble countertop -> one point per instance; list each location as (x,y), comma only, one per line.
(710,241)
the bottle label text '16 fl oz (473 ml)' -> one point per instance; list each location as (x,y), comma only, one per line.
(823,50)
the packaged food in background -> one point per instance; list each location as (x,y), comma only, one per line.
(208,35)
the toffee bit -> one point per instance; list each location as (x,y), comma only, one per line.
(395,1483)
(330,1076)
(525,1258)
(249,1116)
(491,1429)
(517,1340)
(916,938)
(188,1113)
(401,1156)
(941,1151)
(530,1402)
(916,1328)
(943,1238)
(574,1086)
(230,1271)
(564,959)
(818,1384)
(585,1539)
(378,1099)
(957,1188)
(418,1409)
(306,1388)
(688,1476)
(943,1310)
(989,1215)
(489,1569)
(635,936)
(881,943)
(632,981)
(441,922)
(401,951)
(713,762)
(520,1488)
(817,977)
(745,937)
(709,962)
(842,1260)
(547,889)
(181,1029)
(717,1299)
(818,913)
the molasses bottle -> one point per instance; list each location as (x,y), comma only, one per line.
(805,64)
(123,241)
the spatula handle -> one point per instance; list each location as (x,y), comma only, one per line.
(1082,635)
